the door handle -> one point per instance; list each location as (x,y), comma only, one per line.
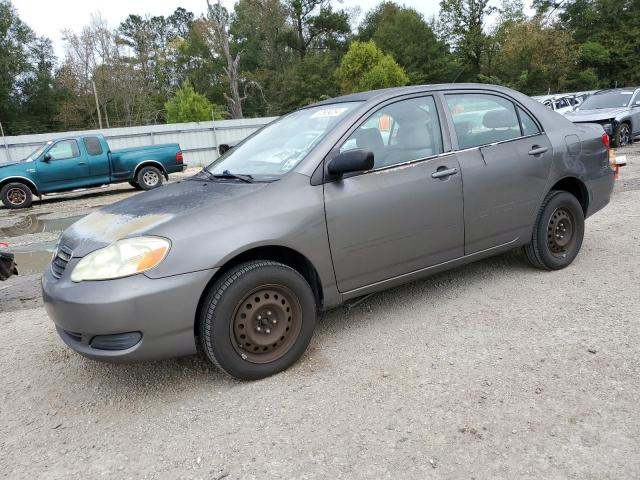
(536,150)
(443,173)
(82,163)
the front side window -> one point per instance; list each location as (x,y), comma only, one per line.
(400,132)
(481,119)
(64,149)
(280,146)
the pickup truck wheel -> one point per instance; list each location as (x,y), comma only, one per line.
(257,319)
(558,232)
(149,178)
(16,195)
(135,185)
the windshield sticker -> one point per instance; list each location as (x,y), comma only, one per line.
(329,112)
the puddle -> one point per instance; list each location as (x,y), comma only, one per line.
(34,258)
(30,224)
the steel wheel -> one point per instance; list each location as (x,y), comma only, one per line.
(624,135)
(266,323)
(560,231)
(16,196)
(150,178)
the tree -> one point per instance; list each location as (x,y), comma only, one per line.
(366,67)
(217,25)
(316,26)
(463,22)
(404,34)
(189,106)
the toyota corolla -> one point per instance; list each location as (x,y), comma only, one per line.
(334,201)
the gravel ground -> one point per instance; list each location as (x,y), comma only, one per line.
(490,371)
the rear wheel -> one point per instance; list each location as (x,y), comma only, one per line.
(558,232)
(149,178)
(16,195)
(135,185)
(257,320)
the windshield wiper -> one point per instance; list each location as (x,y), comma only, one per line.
(237,176)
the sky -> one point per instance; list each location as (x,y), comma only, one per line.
(49,17)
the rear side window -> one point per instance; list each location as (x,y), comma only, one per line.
(529,127)
(64,149)
(93,145)
(481,119)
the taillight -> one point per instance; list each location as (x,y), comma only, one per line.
(179,157)
(605,140)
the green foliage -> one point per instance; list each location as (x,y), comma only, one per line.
(189,106)
(271,56)
(404,34)
(366,67)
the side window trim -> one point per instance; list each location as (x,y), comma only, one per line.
(442,121)
(455,146)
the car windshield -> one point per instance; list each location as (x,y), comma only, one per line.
(37,152)
(607,100)
(277,148)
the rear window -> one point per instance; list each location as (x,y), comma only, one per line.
(93,145)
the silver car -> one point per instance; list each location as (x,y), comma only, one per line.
(617,110)
(334,201)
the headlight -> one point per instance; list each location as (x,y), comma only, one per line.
(123,258)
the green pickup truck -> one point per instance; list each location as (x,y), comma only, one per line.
(85,161)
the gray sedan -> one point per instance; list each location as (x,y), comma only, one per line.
(334,201)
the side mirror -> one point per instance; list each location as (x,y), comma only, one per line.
(47,157)
(358,160)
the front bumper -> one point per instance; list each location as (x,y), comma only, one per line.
(162,311)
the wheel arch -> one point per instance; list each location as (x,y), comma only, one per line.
(24,180)
(150,163)
(277,253)
(575,187)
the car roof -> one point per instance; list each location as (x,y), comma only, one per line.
(394,91)
(622,89)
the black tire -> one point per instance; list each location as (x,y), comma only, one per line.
(135,185)
(622,136)
(228,296)
(16,195)
(149,178)
(558,232)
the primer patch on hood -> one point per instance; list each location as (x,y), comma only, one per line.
(110,227)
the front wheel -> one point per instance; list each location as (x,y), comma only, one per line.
(16,195)
(257,320)
(149,178)
(558,232)
(135,185)
(622,136)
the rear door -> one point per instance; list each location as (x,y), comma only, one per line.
(396,218)
(67,167)
(98,159)
(505,159)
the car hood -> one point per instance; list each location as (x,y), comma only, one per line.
(595,115)
(12,166)
(156,212)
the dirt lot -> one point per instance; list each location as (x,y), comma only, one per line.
(494,370)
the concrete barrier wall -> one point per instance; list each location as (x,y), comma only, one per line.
(199,140)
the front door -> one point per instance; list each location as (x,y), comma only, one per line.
(407,213)
(505,159)
(65,169)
